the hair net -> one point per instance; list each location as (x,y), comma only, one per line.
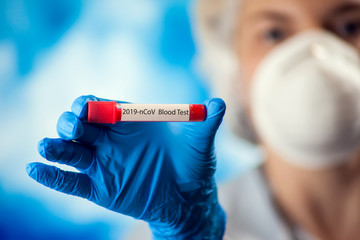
(214,33)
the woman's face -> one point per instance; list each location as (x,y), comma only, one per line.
(263,24)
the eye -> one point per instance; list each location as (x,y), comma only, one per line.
(350,29)
(274,35)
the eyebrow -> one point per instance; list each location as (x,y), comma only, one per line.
(270,15)
(346,8)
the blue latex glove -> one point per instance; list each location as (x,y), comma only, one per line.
(162,173)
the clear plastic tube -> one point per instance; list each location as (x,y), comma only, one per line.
(112,112)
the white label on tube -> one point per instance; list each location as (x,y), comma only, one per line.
(155,112)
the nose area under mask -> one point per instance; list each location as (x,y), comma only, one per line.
(306,100)
(311,102)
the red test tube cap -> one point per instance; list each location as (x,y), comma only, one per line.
(102,112)
(197,112)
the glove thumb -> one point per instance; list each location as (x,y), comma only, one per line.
(199,138)
(202,131)
(215,112)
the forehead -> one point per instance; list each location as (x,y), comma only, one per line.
(317,8)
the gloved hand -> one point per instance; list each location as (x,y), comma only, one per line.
(162,173)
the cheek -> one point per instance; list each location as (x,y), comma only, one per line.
(248,61)
(249,58)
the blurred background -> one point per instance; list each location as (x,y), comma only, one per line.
(54,51)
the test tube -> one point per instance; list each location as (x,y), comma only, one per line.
(111,112)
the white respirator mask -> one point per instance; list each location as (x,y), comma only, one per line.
(306,100)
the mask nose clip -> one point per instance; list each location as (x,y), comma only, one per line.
(319,51)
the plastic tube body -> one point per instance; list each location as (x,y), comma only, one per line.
(112,112)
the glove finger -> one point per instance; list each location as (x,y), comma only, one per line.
(69,127)
(80,109)
(205,131)
(200,139)
(76,184)
(80,106)
(65,152)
